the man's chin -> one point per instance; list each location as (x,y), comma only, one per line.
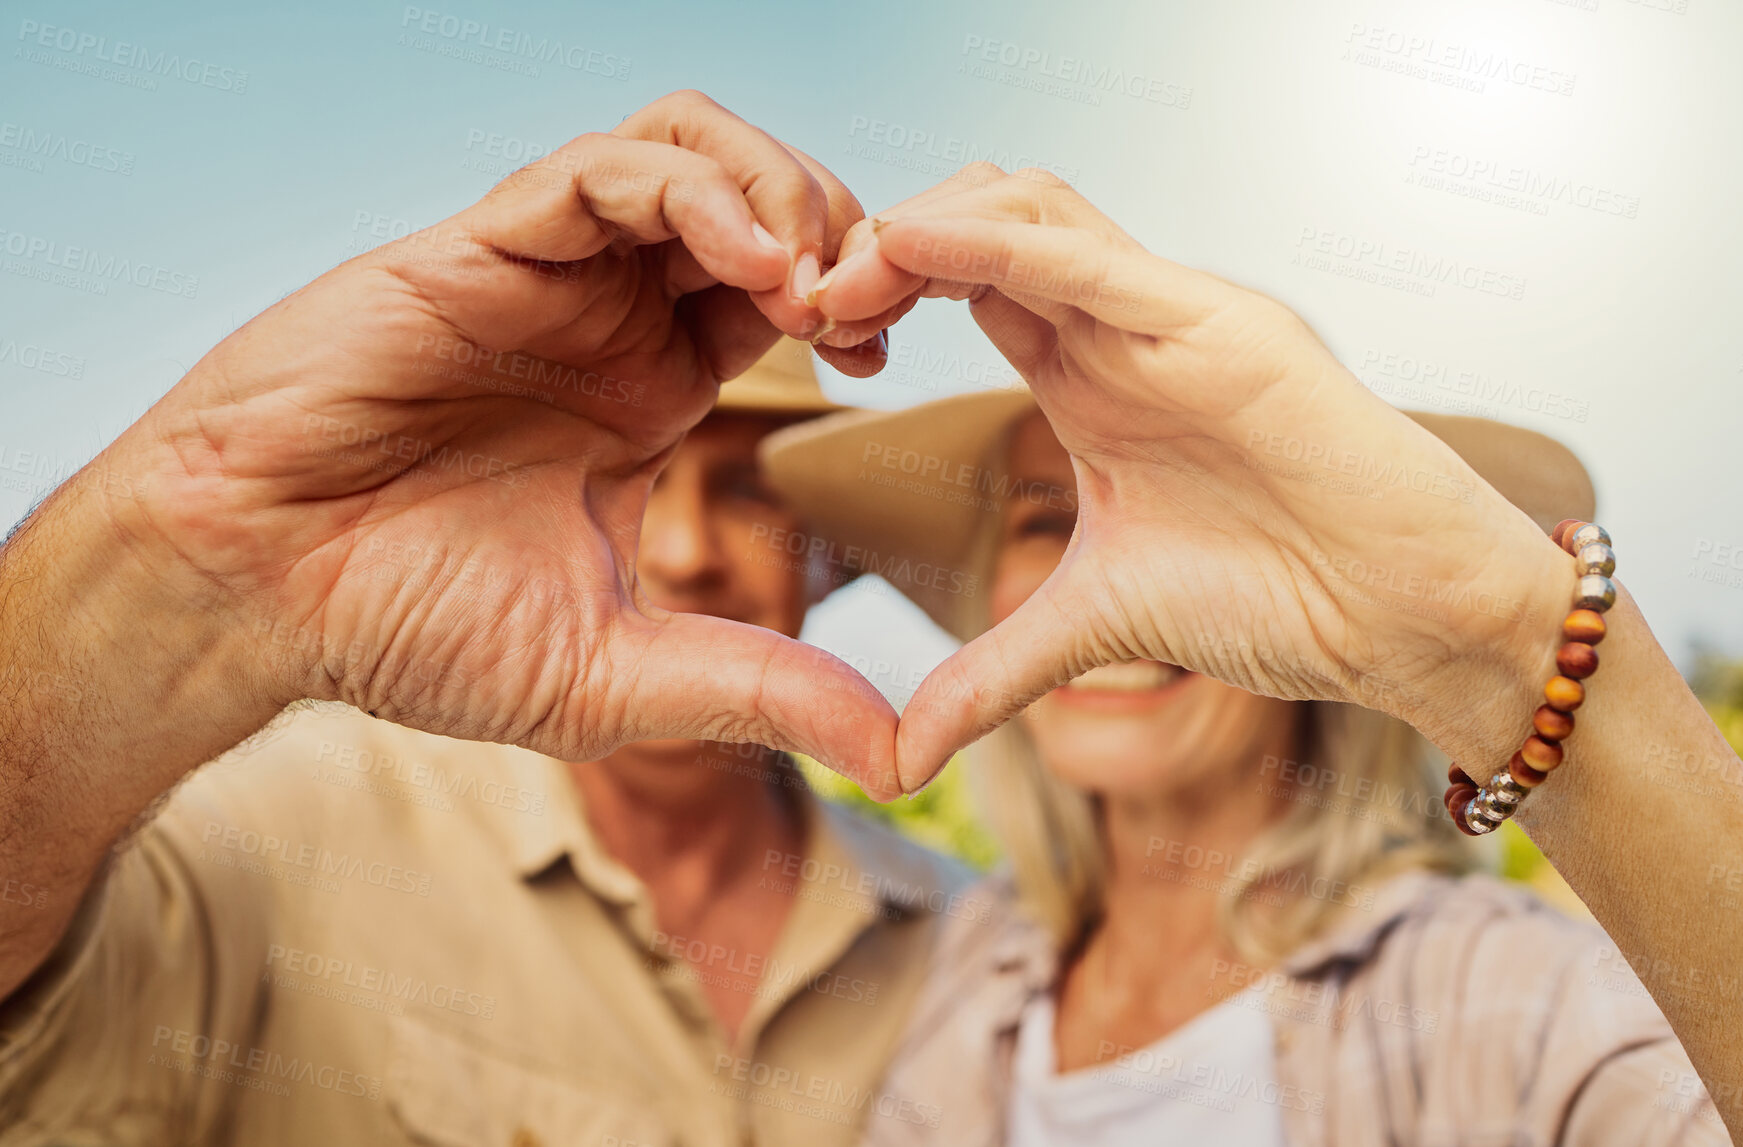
(668,753)
(689,765)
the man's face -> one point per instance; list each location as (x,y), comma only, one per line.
(705,541)
(705,548)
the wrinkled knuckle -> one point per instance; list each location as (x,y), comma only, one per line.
(586,141)
(1041,176)
(570,159)
(800,189)
(688,100)
(709,172)
(979,173)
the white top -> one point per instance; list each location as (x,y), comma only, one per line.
(1212,1081)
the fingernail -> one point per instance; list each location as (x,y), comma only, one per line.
(806,272)
(878,224)
(928,783)
(817,335)
(829,275)
(766,239)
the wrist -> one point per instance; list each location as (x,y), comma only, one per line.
(1478,704)
(117,681)
(141,636)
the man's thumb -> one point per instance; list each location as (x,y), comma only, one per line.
(717,680)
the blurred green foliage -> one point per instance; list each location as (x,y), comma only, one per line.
(942,818)
(1718,682)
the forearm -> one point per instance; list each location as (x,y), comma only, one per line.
(1657,857)
(116,678)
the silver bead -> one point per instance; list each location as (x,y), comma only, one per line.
(1596,558)
(1503,785)
(1499,799)
(1595,591)
(1587,534)
(1479,824)
(1496,807)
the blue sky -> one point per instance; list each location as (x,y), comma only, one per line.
(1582,156)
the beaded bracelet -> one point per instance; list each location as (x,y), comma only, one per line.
(1477,811)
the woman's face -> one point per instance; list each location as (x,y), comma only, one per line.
(1139,729)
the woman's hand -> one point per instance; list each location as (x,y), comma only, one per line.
(416,484)
(1248,509)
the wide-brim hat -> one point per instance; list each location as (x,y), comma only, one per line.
(901,493)
(783,381)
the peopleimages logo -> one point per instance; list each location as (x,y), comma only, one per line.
(819,1096)
(421,774)
(538,49)
(924,368)
(311,968)
(33,356)
(1425,268)
(1090,77)
(132,58)
(1478,386)
(209,1056)
(1423,56)
(895,569)
(1525,181)
(37,145)
(98,265)
(901,145)
(319,859)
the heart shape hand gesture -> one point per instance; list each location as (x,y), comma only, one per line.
(497,393)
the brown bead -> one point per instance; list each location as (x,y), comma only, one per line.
(1551,724)
(1576,659)
(1565,527)
(1456,775)
(1585,625)
(1540,754)
(1456,798)
(1527,776)
(1564,693)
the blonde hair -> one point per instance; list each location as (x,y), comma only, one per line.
(1334,847)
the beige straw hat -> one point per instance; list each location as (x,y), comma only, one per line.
(783,381)
(910,494)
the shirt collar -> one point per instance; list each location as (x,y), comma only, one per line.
(1024,951)
(1354,936)
(847,863)
(533,843)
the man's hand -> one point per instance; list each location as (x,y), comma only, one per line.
(418,481)
(415,486)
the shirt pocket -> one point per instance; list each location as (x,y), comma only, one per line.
(445,1092)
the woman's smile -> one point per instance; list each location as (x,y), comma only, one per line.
(1127,687)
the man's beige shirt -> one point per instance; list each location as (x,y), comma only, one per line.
(351,933)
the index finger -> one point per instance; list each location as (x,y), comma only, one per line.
(1043,267)
(793,196)
(861,286)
